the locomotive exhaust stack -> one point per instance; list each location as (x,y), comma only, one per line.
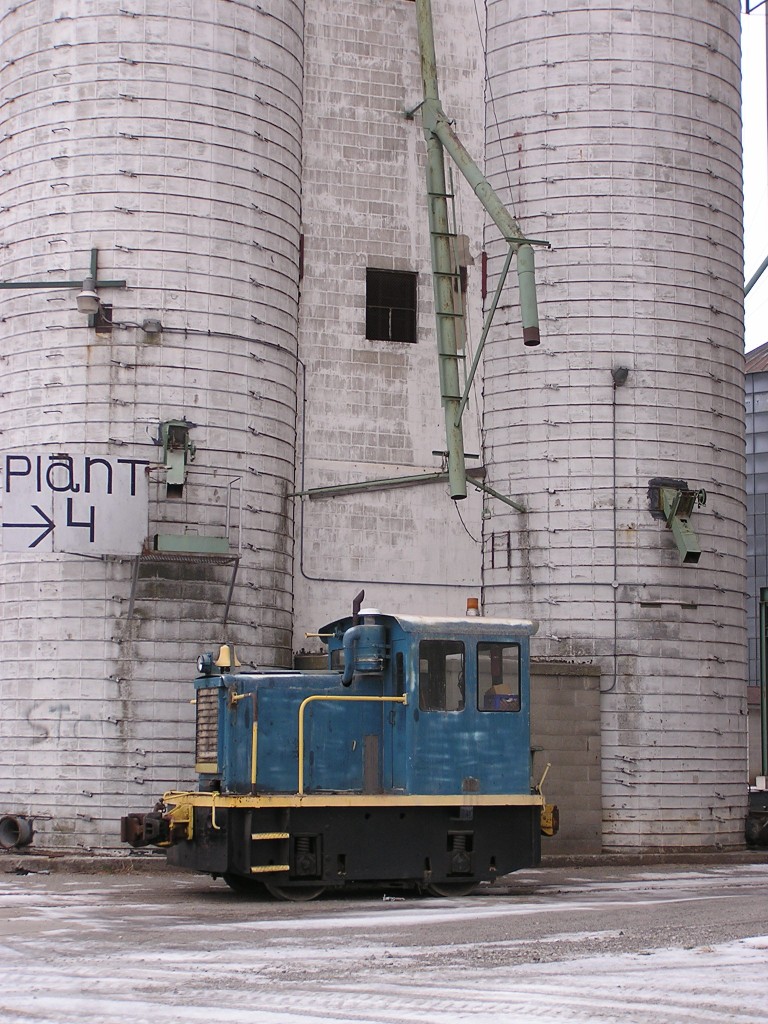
(365,648)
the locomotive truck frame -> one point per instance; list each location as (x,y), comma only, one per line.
(406,762)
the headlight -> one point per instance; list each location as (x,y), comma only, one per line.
(205,664)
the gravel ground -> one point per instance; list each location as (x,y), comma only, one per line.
(651,945)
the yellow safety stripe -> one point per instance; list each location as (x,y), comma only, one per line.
(197,799)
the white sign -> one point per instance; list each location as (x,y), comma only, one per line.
(83,504)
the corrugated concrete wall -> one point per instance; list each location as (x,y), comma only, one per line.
(614,131)
(167,137)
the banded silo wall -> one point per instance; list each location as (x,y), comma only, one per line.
(614,130)
(167,137)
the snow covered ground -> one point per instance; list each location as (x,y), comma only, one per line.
(636,947)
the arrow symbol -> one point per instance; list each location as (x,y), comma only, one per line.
(50,526)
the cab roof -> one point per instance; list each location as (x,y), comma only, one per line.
(433,625)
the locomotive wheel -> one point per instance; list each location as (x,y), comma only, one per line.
(294,893)
(451,888)
(244,886)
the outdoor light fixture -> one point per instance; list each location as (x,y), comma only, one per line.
(151,326)
(88,300)
(619,374)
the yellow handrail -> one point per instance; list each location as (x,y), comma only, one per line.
(235,698)
(339,696)
(254,742)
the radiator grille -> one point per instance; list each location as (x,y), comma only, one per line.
(207,728)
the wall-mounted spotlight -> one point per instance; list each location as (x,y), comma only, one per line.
(88,300)
(619,374)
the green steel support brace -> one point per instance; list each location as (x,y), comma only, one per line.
(486,328)
(496,494)
(381,484)
(91,277)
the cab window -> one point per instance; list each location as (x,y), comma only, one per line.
(441,675)
(498,677)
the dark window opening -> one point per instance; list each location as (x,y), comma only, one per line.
(498,677)
(441,675)
(390,305)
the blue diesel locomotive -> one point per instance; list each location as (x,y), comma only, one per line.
(407,762)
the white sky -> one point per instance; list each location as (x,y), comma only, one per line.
(755,133)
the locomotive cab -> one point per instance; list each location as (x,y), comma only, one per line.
(452,679)
(406,761)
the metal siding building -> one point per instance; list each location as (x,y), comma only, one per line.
(757,548)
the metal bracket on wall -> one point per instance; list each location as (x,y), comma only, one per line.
(174,557)
(178,451)
(92,280)
(674,502)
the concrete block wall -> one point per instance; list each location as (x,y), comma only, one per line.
(565,732)
(371,409)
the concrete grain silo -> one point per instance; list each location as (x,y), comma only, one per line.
(613,130)
(152,161)
(150,154)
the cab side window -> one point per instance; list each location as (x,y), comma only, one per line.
(441,675)
(498,677)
